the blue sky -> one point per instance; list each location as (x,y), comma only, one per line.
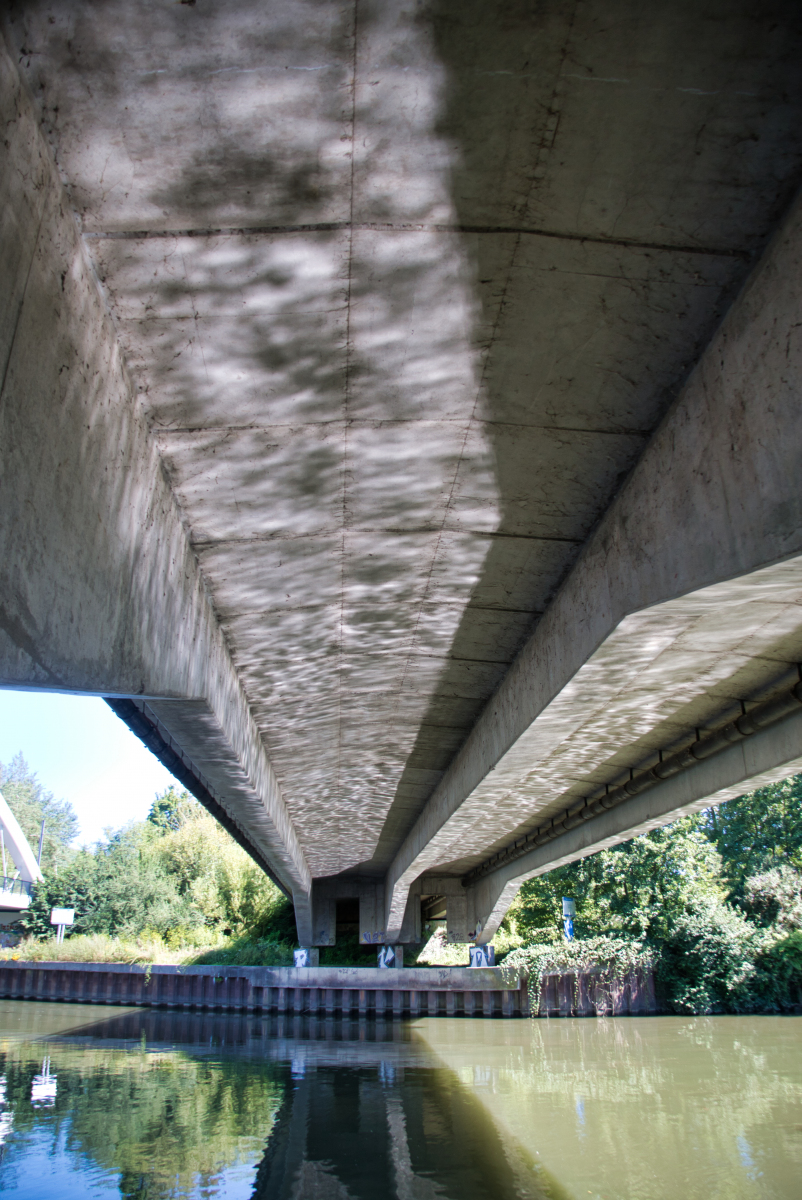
(82,753)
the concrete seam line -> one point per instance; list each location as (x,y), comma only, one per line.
(140,235)
(588,807)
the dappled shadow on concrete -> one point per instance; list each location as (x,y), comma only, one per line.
(404,294)
(613,180)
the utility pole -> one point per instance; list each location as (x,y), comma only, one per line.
(41,843)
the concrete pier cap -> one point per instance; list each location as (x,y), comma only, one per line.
(400,424)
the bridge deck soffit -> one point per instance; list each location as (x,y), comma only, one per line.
(617,671)
(403,303)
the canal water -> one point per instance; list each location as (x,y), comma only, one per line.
(157,1105)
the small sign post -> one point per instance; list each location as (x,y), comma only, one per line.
(61,917)
(569,912)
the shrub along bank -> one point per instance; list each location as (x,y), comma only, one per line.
(713,902)
(174,884)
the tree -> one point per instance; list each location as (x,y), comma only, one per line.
(30,803)
(636,888)
(176,874)
(208,867)
(707,962)
(759,831)
(171,809)
(116,888)
(774,898)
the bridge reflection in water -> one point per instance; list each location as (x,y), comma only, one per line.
(164,1105)
(205,1105)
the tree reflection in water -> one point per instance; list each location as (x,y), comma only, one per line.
(162,1123)
(168,1106)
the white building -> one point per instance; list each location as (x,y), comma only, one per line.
(19,871)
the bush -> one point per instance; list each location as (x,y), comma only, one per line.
(612,956)
(245,952)
(178,876)
(774,898)
(96,948)
(213,875)
(706,962)
(117,890)
(778,975)
(438,952)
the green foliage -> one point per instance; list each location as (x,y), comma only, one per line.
(165,1125)
(774,898)
(212,874)
(759,831)
(612,957)
(778,974)
(246,951)
(146,947)
(707,962)
(116,889)
(633,889)
(171,809)
(30,804)
(721,939)
(439,952)
(177,877)
(348,952)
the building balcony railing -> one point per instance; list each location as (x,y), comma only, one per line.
(19,887)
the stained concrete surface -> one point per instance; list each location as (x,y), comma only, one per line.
(100,590)
(403,292)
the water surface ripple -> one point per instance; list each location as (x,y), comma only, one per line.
(158,1105)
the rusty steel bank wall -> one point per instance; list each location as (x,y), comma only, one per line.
(331,991)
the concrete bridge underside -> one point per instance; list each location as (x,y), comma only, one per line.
(400,419)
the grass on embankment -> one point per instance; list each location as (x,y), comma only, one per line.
(241,951)
(100,948)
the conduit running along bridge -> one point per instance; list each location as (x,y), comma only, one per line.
(400,420)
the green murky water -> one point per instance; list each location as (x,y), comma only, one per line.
(110,1102)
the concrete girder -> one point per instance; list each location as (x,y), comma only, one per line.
(768,756)
(663,676)
(397,338)
(712,501)
(85,500)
